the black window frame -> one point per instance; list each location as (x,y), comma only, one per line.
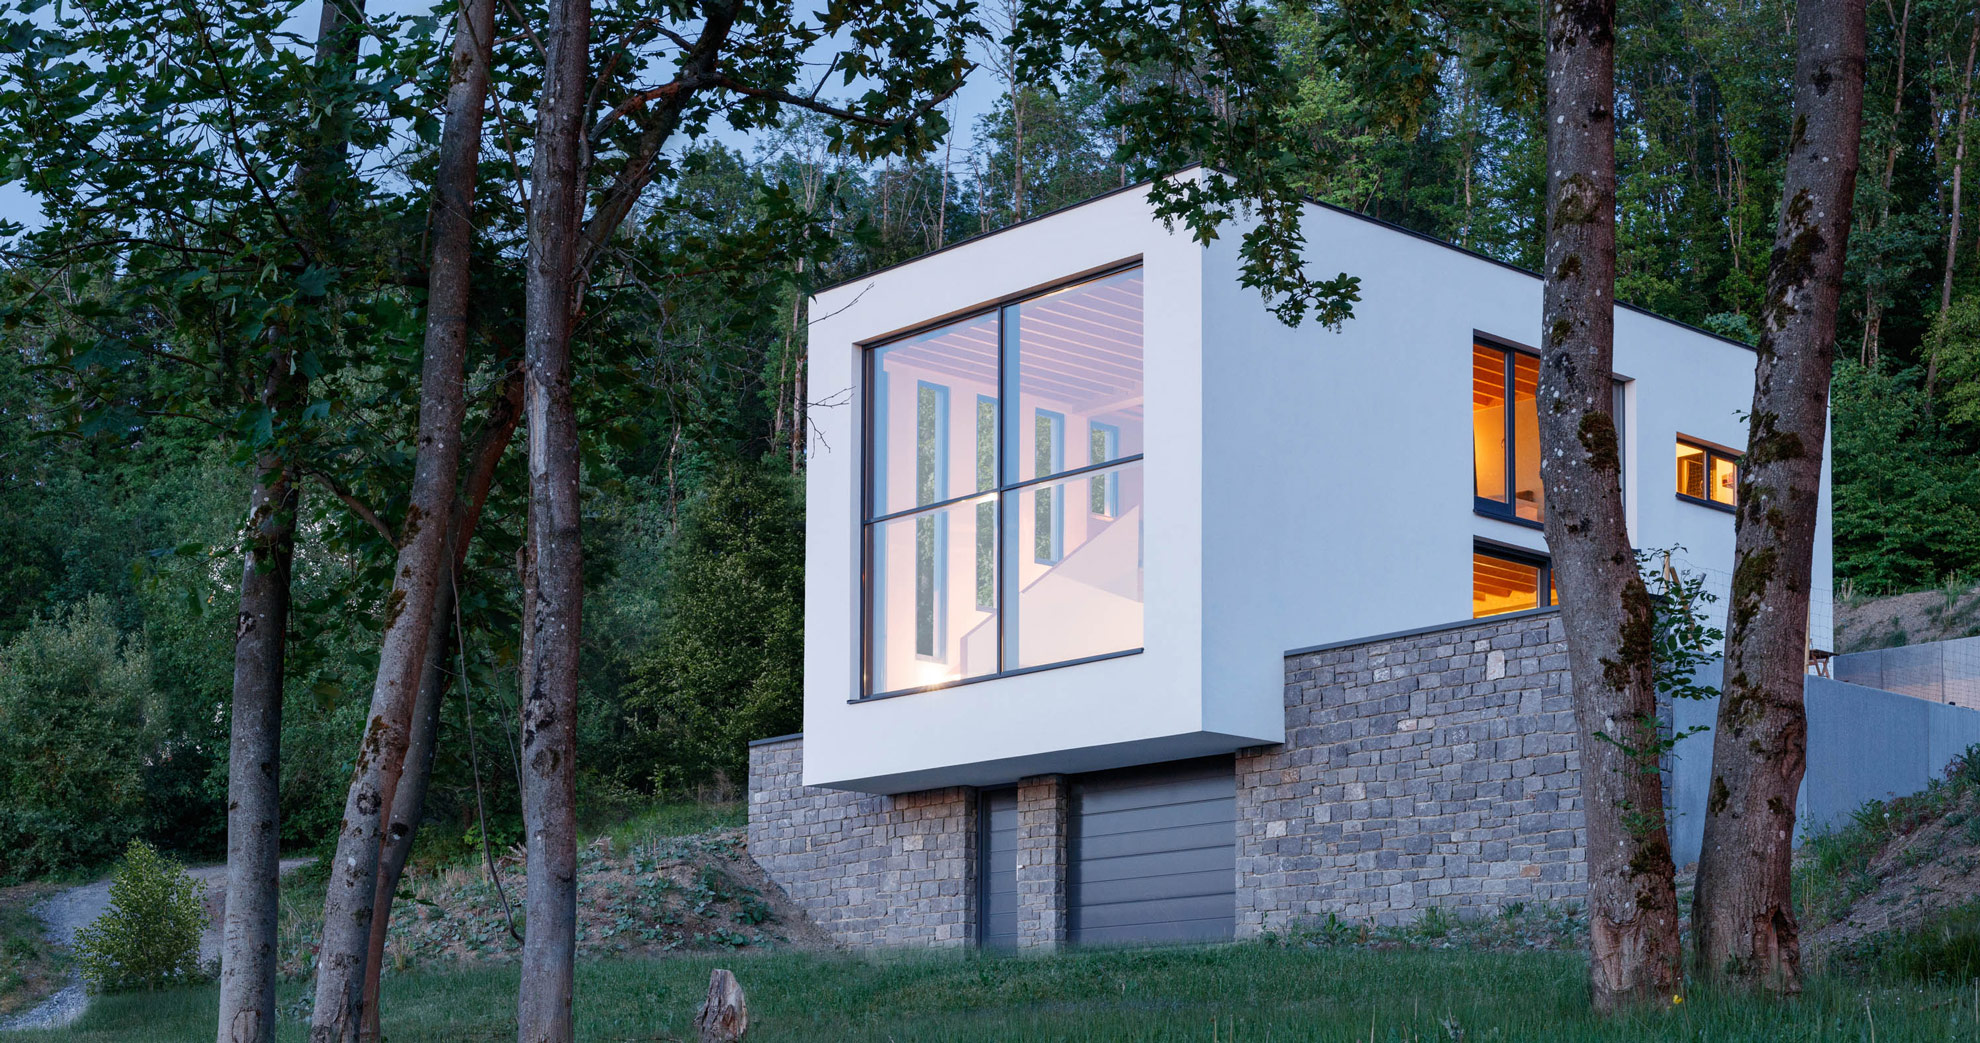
(1713,451)
(1505,510)
(1548,596)
(1005,487)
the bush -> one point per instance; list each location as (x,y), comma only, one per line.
(76,731)
(149,938)
(727,666)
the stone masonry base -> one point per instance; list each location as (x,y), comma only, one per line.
(1432,769)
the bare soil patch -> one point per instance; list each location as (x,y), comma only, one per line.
(673,895)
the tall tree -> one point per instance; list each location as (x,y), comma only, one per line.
(550,672)
(451,223)
(425,554)
(1743,910)
(1952,210)
(1605,607)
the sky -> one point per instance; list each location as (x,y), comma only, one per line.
(976,98)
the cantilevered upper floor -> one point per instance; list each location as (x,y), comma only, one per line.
(1074,491)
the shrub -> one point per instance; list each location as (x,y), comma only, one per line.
(149,937)
(75,733)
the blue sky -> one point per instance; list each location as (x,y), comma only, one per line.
(975,99)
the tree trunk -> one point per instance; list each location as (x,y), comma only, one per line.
(254,752)
(424,554)
(1873,309)
(1743,912)
(1605,607)
(543,1009)
(247,949)
(409,800)
(1952,228)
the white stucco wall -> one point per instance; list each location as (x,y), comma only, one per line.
(1303,486)
(1338,465)
(1114,712)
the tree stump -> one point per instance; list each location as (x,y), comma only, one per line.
(724,1018)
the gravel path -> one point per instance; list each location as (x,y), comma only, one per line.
(69,911)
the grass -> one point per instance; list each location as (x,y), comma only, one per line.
(667,821)
(1233,993)
(1836,865)
(30,967)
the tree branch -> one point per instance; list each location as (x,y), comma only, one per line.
(357,506)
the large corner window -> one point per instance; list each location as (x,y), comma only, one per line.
(1707,474)
(1035,558)
(1505,579)
(1505,433)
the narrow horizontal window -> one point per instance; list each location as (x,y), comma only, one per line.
(1506,582)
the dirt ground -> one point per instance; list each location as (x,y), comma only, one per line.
(1863,624)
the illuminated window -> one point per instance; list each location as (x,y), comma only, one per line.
(1505,433)
(1707,475)
(1509,581)
(971,578)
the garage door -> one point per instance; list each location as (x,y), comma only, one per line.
(997,868)
(1154,854)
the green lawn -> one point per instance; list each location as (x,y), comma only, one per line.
(1226,993)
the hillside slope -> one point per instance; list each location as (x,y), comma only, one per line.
(1900,878)
(1866,623)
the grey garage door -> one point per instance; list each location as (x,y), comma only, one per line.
(997,866)
(1154,854)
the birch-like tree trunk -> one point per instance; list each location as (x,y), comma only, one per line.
(425,552)
(248,931)
(1743,909)
(254,751)
(549,743)
(409,800)
(1605,607)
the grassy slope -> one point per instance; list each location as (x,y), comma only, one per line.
(1252,992)
(1897,888)
(30,967)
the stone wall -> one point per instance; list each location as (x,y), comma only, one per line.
(1429,769)
(1041,869)
(870,870)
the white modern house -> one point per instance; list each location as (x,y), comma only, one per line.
(1080,504)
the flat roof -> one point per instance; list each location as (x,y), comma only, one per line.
(1357,215)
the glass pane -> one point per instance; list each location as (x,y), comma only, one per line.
(1725,480)
(1075,355)
(1103,492)
(1084,599)
(1488,422)
(1530,501)
(1499,585)
(931,621)
(1691,470)
(926,436)
(986,511)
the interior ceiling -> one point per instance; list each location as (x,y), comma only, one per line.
(1080,345)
